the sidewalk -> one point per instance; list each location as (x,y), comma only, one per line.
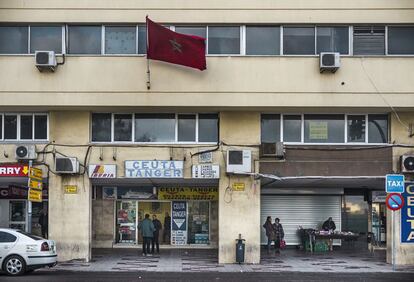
(205,260)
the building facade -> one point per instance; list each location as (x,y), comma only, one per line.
(165,149)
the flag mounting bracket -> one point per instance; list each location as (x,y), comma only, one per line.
(148,76)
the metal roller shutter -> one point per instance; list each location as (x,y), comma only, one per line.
(307,211)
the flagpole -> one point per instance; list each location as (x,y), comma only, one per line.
(148,76)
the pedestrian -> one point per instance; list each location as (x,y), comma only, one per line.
(147,231)
(270,234)
(329,225)
(44,223)
(166,236)
(279,234)
(156,235)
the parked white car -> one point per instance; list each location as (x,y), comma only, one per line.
(21,252)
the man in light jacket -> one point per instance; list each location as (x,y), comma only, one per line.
(147,231)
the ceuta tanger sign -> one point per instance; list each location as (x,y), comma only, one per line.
(14,170)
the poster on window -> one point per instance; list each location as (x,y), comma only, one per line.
(318,130)
(109,193)
(179,223)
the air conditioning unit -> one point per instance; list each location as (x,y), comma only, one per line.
(45,60)
(26,152)
(407,163)
(329,61)
(64,165)
(239,161)
(275,149)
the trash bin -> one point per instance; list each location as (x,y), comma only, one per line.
(240,249)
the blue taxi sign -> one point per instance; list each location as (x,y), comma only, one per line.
(394,183)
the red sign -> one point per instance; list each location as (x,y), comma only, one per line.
(14,170)
(394,201)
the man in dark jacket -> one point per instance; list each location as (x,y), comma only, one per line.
(158,227)
(329,225)
(147,230)
(279,234)
(44,223)
(269,232)
(167,229)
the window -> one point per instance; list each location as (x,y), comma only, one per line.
(46,38)
(207,127)
(84,39)
(333,39)
(142,40)
(224,40)
(7,237)
(27,126)
(101,127)
(192,30)
(377,129)
(40,127)
(120,40)
(186,128)
(154,127)
(1,127)
(270,128)
(122,127)
(299,40)
(262,40)
(401,40)
(369,40)
(292,128)
(324,128)
(356,128)
(10,127)
(13,39)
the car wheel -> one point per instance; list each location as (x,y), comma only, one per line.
(14,265)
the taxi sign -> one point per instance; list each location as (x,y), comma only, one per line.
(36,173)
(34,195)
(394,183)
(34,184)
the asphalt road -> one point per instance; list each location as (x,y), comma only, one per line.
(62,276)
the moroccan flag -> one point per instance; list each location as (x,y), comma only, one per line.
(176,48)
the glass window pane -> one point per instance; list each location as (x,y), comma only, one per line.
(262,40)
(324,128)
(154,127)
(120,39)
(199,31)
(292,128)
(224,40)
(401,40)
(270,128)
(46,38)
(377,128)
(369,40)
(40,127)
(142,40)
(84,40)
(333,39)
(356,128)
(299,40)
(26,127)
(101,127)
(1,127)
(186,128)
(123,127)
(13,39)
(207,127)
(10,127)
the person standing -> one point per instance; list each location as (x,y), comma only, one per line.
(270,234)
(147,231)
(279,234)
(166,236)
(156,235)
(44,223)
(329,225)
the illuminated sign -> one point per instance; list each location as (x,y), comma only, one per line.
(154,169)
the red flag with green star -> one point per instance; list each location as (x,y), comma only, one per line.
(176,48)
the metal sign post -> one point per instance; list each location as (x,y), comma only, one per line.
(29,207)
(394,202)
(393,240)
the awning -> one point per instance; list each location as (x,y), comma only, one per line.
(156,182)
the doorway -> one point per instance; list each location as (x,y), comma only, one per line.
(162,210)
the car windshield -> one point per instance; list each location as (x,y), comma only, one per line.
(34,237)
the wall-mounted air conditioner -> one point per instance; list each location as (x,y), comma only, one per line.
(239,161)
(45,60)
(407,163)
(329,61)
(64,165)
(26,152)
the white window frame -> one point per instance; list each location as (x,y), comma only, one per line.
(334,25)
(241,36)
(386,40)
(18,135)
(366,143)
(119,54)
(63,47)
(300,55)
(245,40)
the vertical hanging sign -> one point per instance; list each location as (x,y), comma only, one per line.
(179,223)
(407,214)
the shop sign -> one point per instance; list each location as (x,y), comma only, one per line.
(35,195)
(188,193)
(36,173)
(179,223)
(206,171)
(17,192)
(407,215)
(71,189)
(238,186)
(35,184)
(14,170)
(102,171)
(154,169)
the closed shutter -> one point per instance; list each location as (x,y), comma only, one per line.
(308,211)
(369,40)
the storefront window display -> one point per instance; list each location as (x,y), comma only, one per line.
(126,222)
(198,222)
